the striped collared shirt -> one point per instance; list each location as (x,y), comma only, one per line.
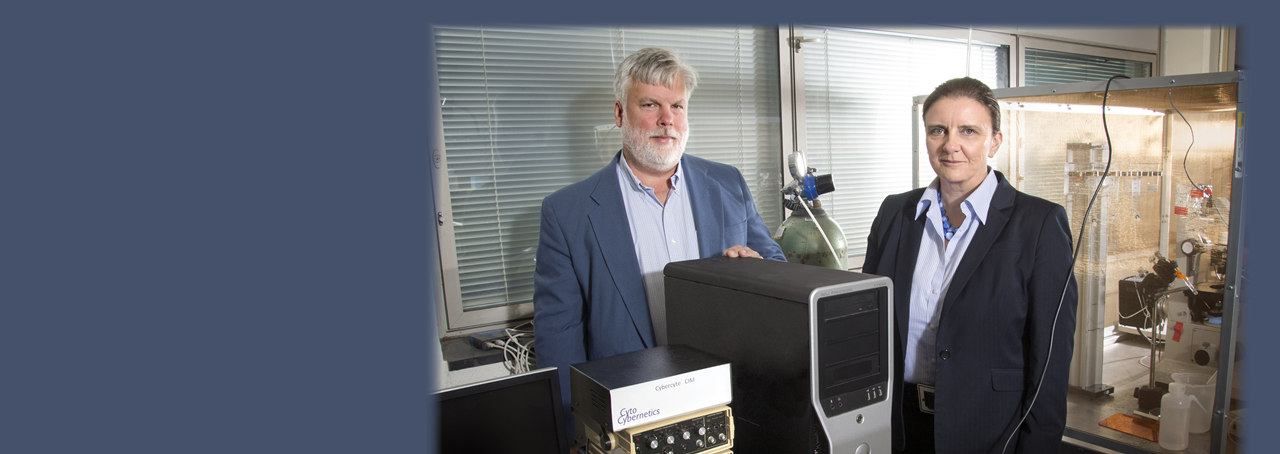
(661,234)
(935,265)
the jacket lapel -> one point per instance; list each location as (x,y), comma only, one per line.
(908,249)
(613,238)
(983,239)
(704,192)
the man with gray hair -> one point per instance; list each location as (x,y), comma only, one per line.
(598,284)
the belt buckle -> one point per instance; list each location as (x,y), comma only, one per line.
(924,397)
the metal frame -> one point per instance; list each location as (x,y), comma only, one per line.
(791,89)
(436,122)
(1230,316)
(1182,80)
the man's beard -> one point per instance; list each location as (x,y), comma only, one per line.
(649,156)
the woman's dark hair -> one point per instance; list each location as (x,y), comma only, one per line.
(967,87)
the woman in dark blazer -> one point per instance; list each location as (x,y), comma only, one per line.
(982,287)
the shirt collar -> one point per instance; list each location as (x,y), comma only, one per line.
(634,182)
(979,201)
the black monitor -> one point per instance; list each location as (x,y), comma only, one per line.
(509,415)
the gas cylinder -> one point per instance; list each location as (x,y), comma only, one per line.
(802,242)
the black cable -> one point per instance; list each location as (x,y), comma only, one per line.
(1193,140)
(1053,330)
(1188,153)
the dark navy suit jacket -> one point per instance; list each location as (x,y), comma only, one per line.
(997,316)
(589,298)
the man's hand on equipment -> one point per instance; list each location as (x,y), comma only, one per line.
(741,251)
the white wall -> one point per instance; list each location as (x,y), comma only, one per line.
(1194,50)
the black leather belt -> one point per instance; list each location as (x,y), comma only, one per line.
(923,395)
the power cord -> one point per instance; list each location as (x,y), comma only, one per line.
(1070,270)
(517,356)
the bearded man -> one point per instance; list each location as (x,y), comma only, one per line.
(598,283)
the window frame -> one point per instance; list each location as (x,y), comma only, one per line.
(454,318)
(1031,42)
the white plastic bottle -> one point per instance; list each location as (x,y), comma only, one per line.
(1175,417)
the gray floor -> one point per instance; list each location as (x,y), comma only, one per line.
(1123,368)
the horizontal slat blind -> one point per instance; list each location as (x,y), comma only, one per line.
(858,87)
(528,110)
(1053,67)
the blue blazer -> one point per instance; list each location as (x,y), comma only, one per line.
(997,316)
(589,298)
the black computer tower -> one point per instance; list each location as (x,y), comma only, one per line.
(811,350)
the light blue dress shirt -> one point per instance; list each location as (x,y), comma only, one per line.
(935,265)
(662,234)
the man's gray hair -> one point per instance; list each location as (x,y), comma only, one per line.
(653,66)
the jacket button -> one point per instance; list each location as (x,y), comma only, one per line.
(945,355)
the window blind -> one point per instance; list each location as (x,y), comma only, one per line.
(1053,67)
(858,88)
(528,110)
